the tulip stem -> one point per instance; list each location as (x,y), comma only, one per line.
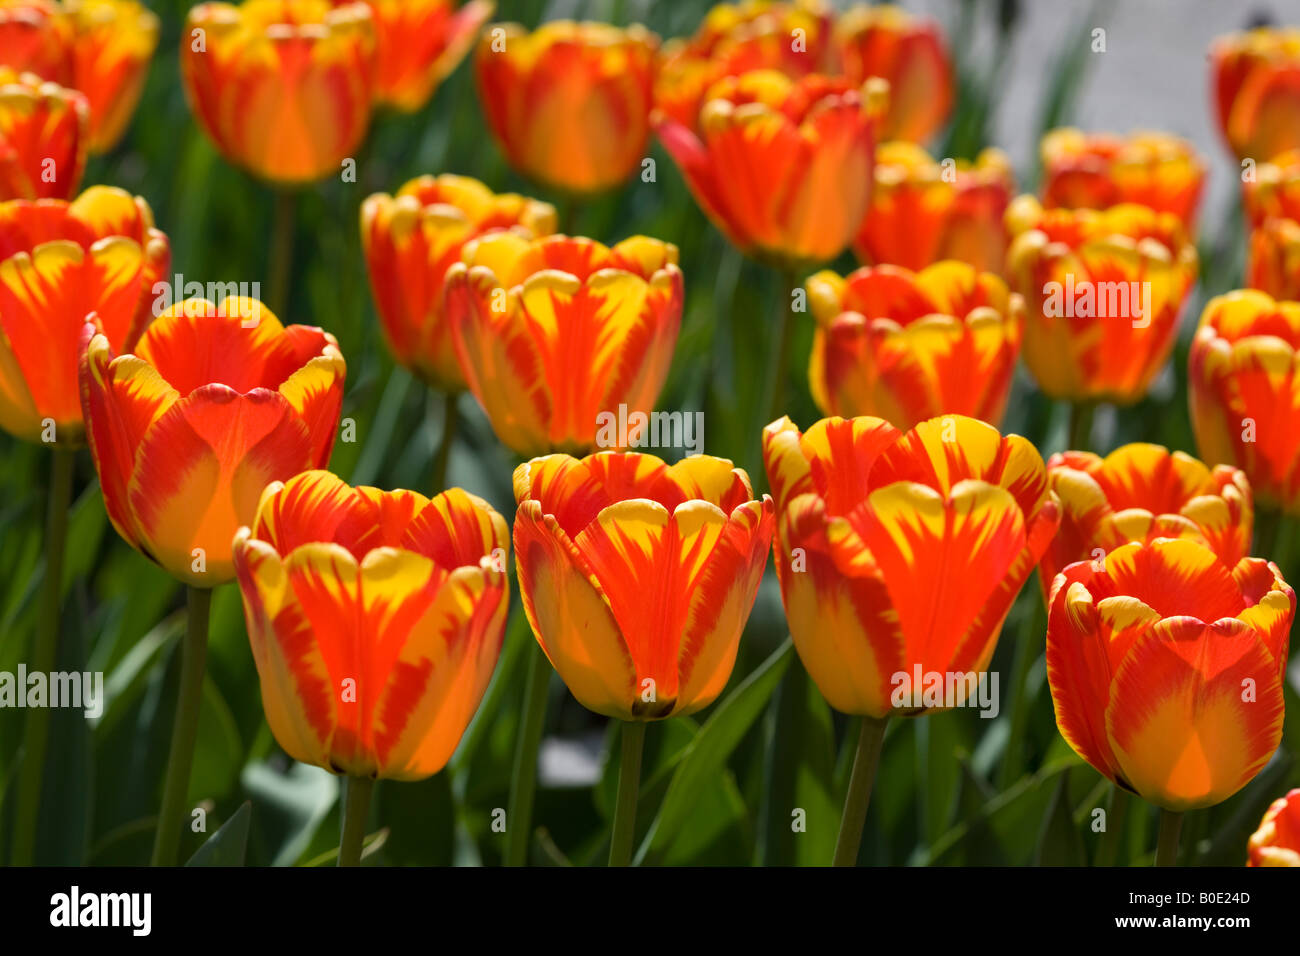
(1029,645)
(1171,824)
(778,362)
(280,263)
(1267,523)
(356,810)
(445,441)
(632,733)
(1108,852)
(858,798)
(1081,414)
(523,781)
(45,655)
(180,758)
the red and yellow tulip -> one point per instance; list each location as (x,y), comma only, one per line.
(213,404)
(281,87)
(552,332)
(1277,841)
(1272,203)
(907,346)
(637,577)
(43,137)
(36,37)
(1166,667)
(412,238)
(1256,80)
(901,551)
(60,261)
(375,619)
(1103,290)
(113,42)
(569,103)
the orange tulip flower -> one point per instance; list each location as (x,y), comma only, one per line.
(113,41)
(887,42)
(1272,201)
(569,104)
(1103,290)
(637,577)
(281,87)
(552,332)
(1100,170)
(1167,666)
(409,242)
(60,261)
(1277,841)
(375,618)
(43,138)
(923,211)
(782,167)
(1256,77)
(212,405)
(907,346)
(36,37)
(1245,392)
(901,553)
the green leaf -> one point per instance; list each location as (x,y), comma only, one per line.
(229,845)
(1059,843)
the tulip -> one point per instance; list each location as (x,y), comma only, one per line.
(36,37)
(1277,841)
(907,346)
(1272,202)
(553,332)
(1256,79)
(569,104)
(43,137)
(113,41)
(1100,170)
(922,211)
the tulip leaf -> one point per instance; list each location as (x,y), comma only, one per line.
(1059,843)
(229,845)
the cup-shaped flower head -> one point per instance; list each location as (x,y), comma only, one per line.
(113,41)
(1256,79)
(36,37)
(60,261)
(412,238)
(1099,170)
(909,52)
(781,166)
(569,103)
(1272,202)
(375,619)
(1244,390)
(901,552)
(1167,667)
(43,137)
(1277,841)
(637,577)
(1141,492)
(214,403)
(281,87)
(907,346)
(554,333)
(1103,290)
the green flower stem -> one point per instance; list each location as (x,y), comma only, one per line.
(356,809)
(1116,816)
(1167,847)
(523,781)
(450,420)
(778,367)
(858,799)
(1081,414)
(280,262)
(632,733)
(1029,644)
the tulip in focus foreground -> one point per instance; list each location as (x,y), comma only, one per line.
(43,137)
(1277,841)
(1256,80)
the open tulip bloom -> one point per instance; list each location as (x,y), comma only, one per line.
(1277,841)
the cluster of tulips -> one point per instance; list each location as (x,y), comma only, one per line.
(902,526)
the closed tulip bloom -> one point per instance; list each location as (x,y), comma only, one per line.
(281,87)
(781,167)
(213,404)
(36,37)
(1103,290)
(908,346)
(552,333)
(1166,667)
(569,104)
(375,619)
(1244,391)
(1100,170)
(899,551)
(637,577)
(1272,203)
(43,138)
(1256,80)
(113,41)
(60,261)
(923,211)
(1277,841)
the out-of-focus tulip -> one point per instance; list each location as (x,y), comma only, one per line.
(553,332)
(1167,666)
(900,552)
(212,405)
(1256,78)
(281,87)
(1272,201)
(43,137)
(1141,492)
(1277,841)
(887,42)
(637,577)
(569,104)
(907,346)
(36,37)
(113,41)
(923,211)
(412,238)
(1244,391)
(1100,170)
(401,595)
(1103,290)
(782,167)
(60,261)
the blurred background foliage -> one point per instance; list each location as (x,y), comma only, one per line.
(719,787)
